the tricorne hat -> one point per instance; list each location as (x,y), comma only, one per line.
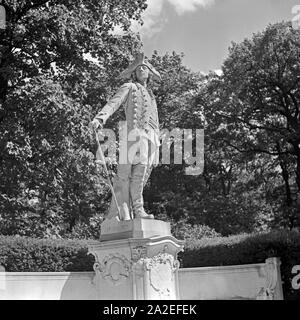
(139,60)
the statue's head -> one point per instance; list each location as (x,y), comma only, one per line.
(140,69)
(141,73)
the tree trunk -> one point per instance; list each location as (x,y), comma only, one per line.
(285,176)
(297,151)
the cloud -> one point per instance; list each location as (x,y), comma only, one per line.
(183,6)
(155,18)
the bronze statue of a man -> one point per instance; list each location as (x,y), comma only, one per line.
(142,126)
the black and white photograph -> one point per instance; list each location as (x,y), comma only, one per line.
(149,151)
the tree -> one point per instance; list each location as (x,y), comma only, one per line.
(256,114)
(58,60)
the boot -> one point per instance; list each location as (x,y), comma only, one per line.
(121,188)
(136,192)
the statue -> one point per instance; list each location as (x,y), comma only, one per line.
(142,123)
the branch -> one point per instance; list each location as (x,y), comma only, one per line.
(253,126)
(256,150)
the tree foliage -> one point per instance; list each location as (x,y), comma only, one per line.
(58,64)
(252,112)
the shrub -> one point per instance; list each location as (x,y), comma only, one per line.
(21,254)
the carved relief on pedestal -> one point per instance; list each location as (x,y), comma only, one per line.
(162,268)
(138,253)
(115,268)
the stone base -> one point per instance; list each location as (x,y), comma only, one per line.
(136,260)
(114,229)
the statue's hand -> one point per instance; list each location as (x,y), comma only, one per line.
(96,124)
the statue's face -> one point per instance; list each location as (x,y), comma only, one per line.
(142,73)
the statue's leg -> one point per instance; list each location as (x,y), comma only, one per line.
(136,191)
(121,188)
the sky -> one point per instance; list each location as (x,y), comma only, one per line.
(203,29)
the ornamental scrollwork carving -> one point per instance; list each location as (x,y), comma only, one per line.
(115,268)
(138,252)
(161,258)
(161,273)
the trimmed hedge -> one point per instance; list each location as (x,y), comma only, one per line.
(248,249)
(20,254)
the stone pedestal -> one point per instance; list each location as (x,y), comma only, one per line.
(136,260)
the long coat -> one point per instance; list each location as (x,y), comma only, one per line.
(141,116)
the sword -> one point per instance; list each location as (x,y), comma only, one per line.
(106,171)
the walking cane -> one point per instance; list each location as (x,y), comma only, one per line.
(106,171)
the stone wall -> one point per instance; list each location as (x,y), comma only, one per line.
(240,282)
(254,281)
